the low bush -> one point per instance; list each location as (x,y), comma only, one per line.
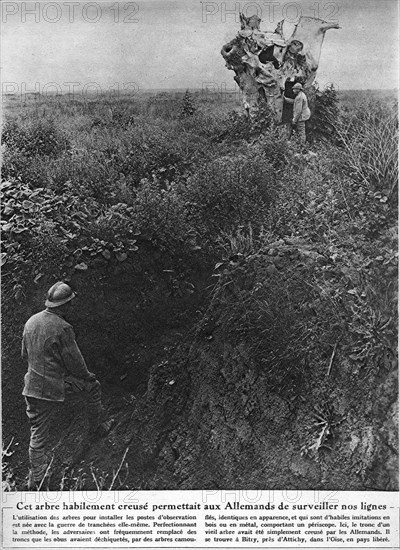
(230,192)
(38,137)
(323,124)
(161,216)
(237,125)
(28,146)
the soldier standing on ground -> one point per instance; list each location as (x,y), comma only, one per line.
(56,369)
(301,112)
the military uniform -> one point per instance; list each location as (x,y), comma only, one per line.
(56,369)
(301,113)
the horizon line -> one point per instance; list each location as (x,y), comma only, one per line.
(128,92)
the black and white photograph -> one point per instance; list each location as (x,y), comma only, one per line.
(199,246)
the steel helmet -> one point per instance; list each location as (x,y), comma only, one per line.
(60,293)
(298,86)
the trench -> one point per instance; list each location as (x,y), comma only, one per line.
(192,408)
(126,323)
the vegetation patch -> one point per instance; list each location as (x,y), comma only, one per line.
(238,291)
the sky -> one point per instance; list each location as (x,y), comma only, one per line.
(176,44)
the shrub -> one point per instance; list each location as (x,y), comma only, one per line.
(274,146)
(160,215)
(237,125)
(160,150)
(87,171)
(326,115)
(229,192)
(31,170)
(205,123)
(188,108)
(40,137)
(29,147)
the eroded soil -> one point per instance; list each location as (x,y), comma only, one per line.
(191,409)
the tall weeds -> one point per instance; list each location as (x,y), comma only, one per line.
(369,136)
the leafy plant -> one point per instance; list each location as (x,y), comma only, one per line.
(48,233)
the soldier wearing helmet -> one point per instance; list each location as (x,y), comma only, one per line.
(56,368)
(301,111)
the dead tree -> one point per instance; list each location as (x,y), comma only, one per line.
(267,65)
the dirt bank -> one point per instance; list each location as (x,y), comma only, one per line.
(127,317)
(193,408)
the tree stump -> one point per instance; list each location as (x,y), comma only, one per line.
(267,65)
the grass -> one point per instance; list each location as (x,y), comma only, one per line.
(304,246)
